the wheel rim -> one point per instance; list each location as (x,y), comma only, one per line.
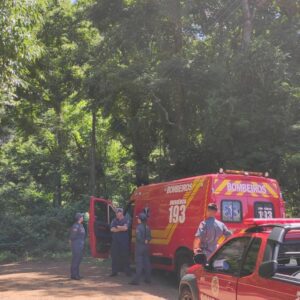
(187,296)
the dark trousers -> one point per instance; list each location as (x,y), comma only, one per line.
(77,254)
(120,257)
(142,261)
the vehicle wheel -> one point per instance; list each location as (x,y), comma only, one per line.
(183,263)
(186,294)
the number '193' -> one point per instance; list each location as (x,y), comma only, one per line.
(177,213)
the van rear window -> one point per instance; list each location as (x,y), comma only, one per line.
(264,210)
(231,211)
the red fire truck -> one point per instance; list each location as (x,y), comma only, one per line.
(176,208)
(261,263)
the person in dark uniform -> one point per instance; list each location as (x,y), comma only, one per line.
(142,259)
(120,244)
(77,238)
(209,232)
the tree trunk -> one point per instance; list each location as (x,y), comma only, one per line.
(58,198)
(59,154)
(141,172)
(176,135)
(93,155)
(248,16)
(179,91)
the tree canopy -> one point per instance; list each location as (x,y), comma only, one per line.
(100,96)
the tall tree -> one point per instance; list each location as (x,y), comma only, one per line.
(19,21)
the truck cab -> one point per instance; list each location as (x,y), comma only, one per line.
(261,263)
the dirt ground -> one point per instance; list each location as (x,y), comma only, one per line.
(50,281)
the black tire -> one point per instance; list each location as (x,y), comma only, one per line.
(183,261)
(186,294)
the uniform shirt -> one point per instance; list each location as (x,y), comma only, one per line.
(209,232)
(122,236)
(77,235)
(143,234)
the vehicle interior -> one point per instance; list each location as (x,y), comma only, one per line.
(289,255)
(103,215)
(289,259)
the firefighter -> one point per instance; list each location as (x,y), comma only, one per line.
(209,232)
(142,259)
(120,244)
(77,237)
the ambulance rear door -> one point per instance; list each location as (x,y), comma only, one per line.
(232,211)
(266,202)
(101,213)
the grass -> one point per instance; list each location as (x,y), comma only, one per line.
(39,255)
(8,257)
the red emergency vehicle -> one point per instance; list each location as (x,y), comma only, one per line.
(261,263)
(176,208)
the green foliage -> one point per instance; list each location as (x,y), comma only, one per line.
(36,233)
(7,256)
(97,97)
(19,21)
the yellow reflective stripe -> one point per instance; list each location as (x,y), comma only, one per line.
(164,236)
(188,196)
(164,241)
(221,239)
(162,233)
(221,186)
(271,191)
(205,199)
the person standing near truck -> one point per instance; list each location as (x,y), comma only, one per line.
(142,259)
(120,244)
(209,232)
(77,237)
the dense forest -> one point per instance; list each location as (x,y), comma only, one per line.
(100,96)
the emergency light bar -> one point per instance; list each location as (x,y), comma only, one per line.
(262,222)
(246,173)
(259,225)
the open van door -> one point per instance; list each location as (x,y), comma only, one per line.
(101,213)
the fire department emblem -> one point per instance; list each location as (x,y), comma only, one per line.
(215,286)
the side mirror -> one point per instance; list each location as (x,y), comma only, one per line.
(200,259)
(268,269)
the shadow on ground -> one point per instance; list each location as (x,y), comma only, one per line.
(50,280)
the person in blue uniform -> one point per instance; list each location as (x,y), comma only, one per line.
(120,244)
(209,232)
(77,237)
(142,259)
